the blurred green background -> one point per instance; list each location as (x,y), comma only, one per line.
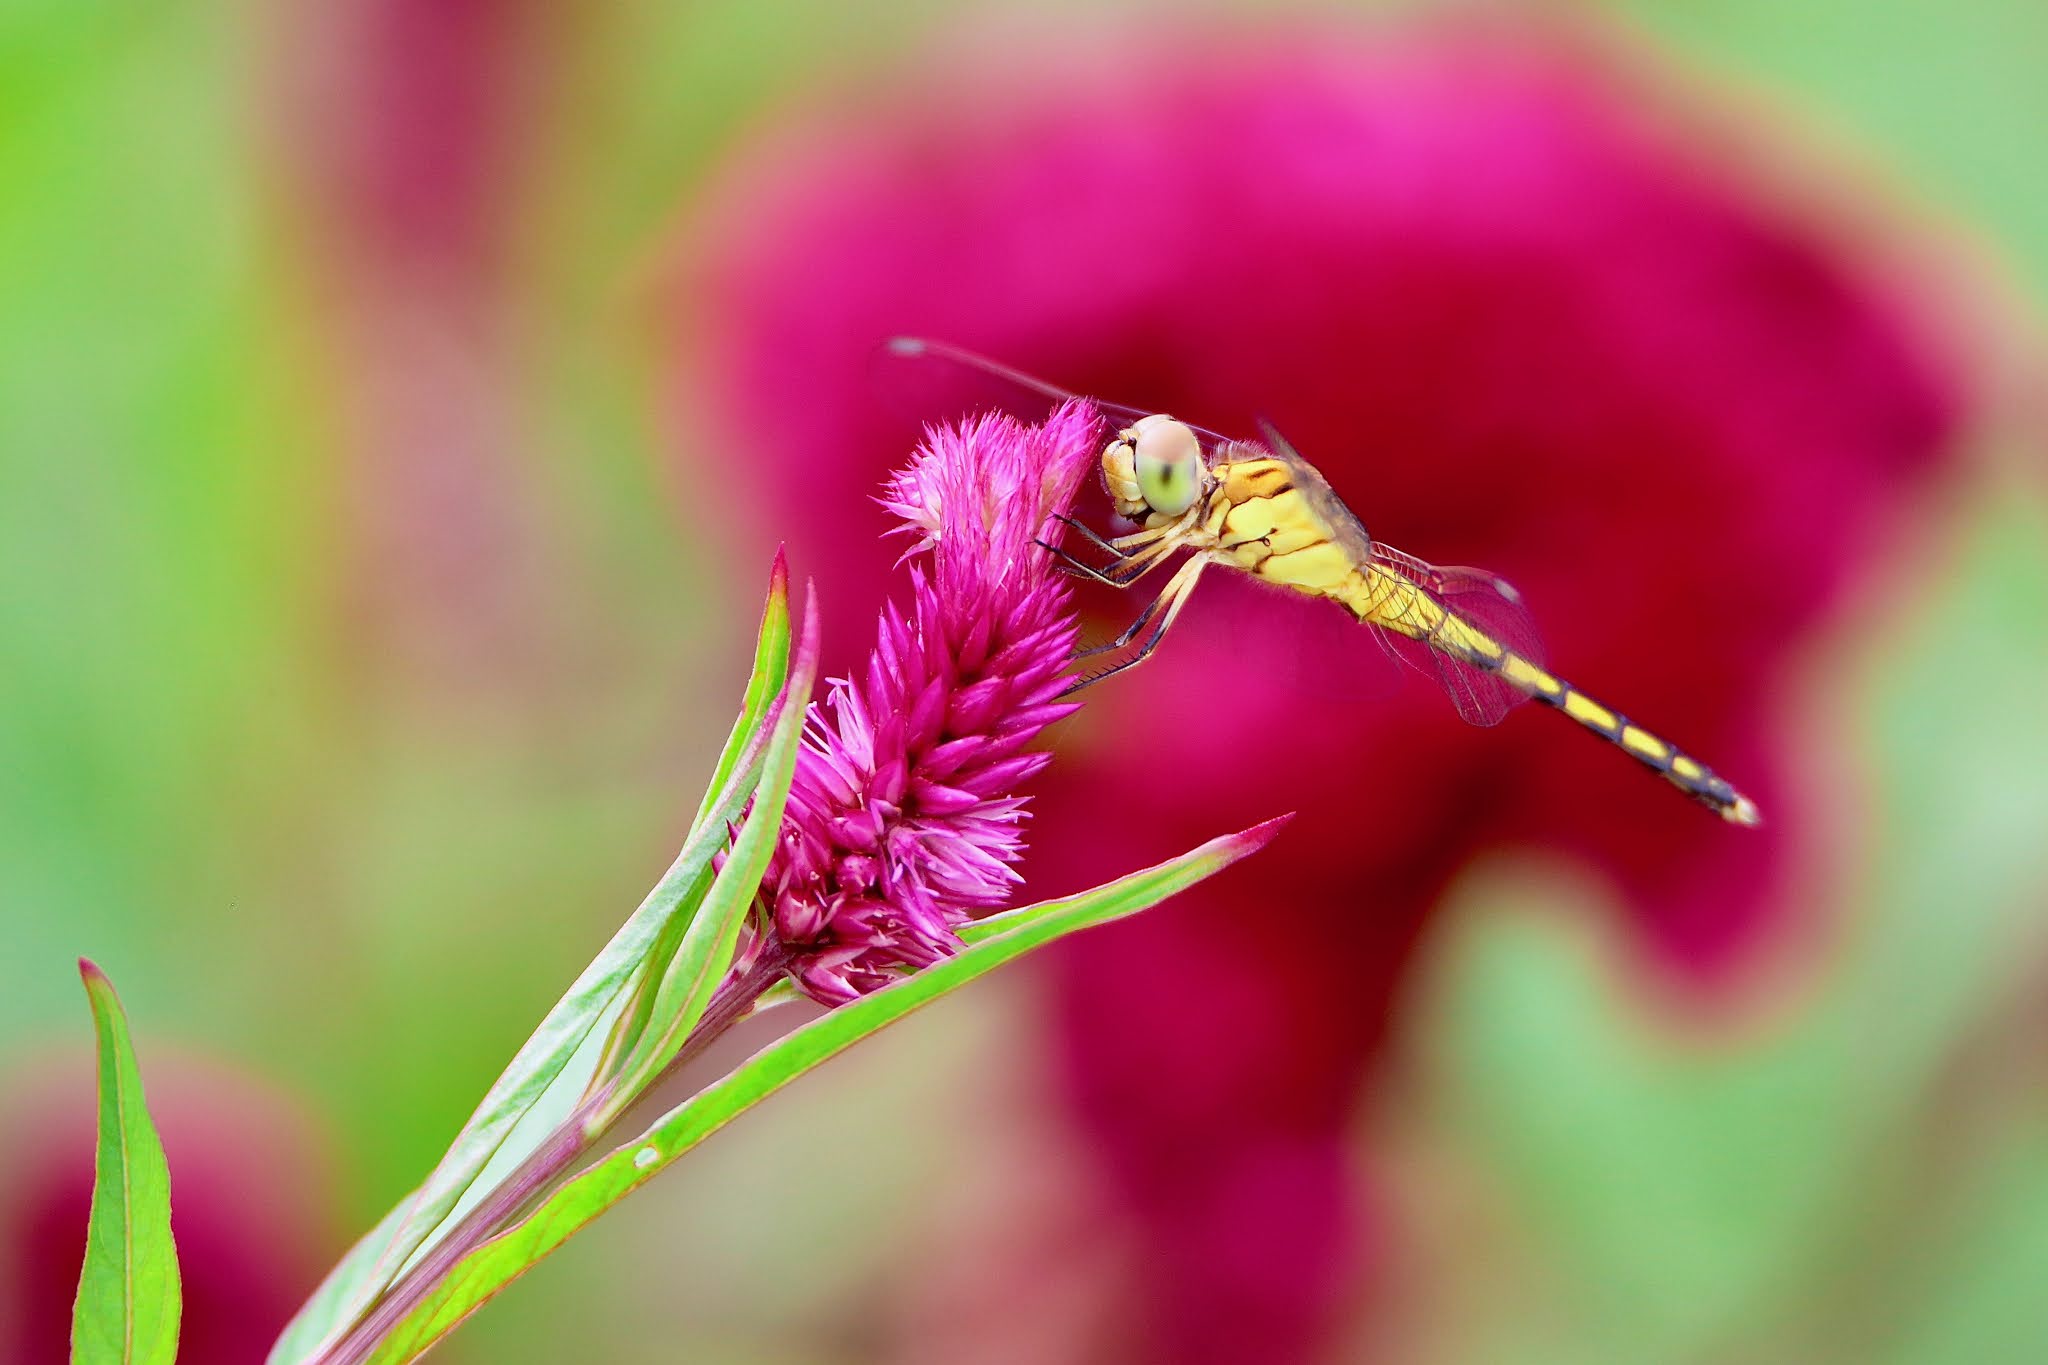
(341,763)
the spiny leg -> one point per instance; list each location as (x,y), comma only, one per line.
(1070,563)
(1173,597)
(1177,591)
(1130,632)
(1089,534)
(1121,574)
(1139,539)
(1120,547)
(1133,567)
(1127,569)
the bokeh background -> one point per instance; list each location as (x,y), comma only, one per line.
(399,403)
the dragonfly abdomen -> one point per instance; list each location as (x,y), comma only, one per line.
(1385,599)
(1679,768)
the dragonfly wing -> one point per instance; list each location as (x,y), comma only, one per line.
(933,381)
(1336,514)
(1473,602)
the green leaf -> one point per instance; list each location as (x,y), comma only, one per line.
(568,1209)
(354,1282)
(707,946)
(764,686)
(129,1300)
(539,1076)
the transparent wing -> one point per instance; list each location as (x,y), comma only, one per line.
(935,381)
(1477,601)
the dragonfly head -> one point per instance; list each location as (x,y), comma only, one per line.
(1154,467)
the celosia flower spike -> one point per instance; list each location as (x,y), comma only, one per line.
(902,821)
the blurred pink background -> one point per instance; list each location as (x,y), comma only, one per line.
(411,397)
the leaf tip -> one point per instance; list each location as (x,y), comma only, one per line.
(1245,842)
(1262,834)
(89,972)
(778,574)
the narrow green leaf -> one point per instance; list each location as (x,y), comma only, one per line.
(536,1073)
(491,1267)
(707,947)
(129,1298)
(353,1283)
(764,686)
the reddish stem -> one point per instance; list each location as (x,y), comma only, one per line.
(730,1003)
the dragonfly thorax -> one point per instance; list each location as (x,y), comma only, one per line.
(1154,467)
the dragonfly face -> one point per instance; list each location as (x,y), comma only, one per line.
(1154,467)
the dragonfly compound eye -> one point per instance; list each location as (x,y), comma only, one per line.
(1168,460)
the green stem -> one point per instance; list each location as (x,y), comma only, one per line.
(733,1001)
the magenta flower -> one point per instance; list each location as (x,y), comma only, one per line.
(1521,323)
(901,822)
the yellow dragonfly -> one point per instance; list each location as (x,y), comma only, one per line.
(1261,509)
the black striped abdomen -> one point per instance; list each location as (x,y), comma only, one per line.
(1679,768)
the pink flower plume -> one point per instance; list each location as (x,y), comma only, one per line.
(903,821)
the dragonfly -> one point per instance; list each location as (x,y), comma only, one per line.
(1259,508)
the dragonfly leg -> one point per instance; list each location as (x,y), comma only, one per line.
(1089,534)
(1127,568)
(1130,632)
(1167,606)
(1122,574)
(1070,563)
(1133,567)
(1139,539)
